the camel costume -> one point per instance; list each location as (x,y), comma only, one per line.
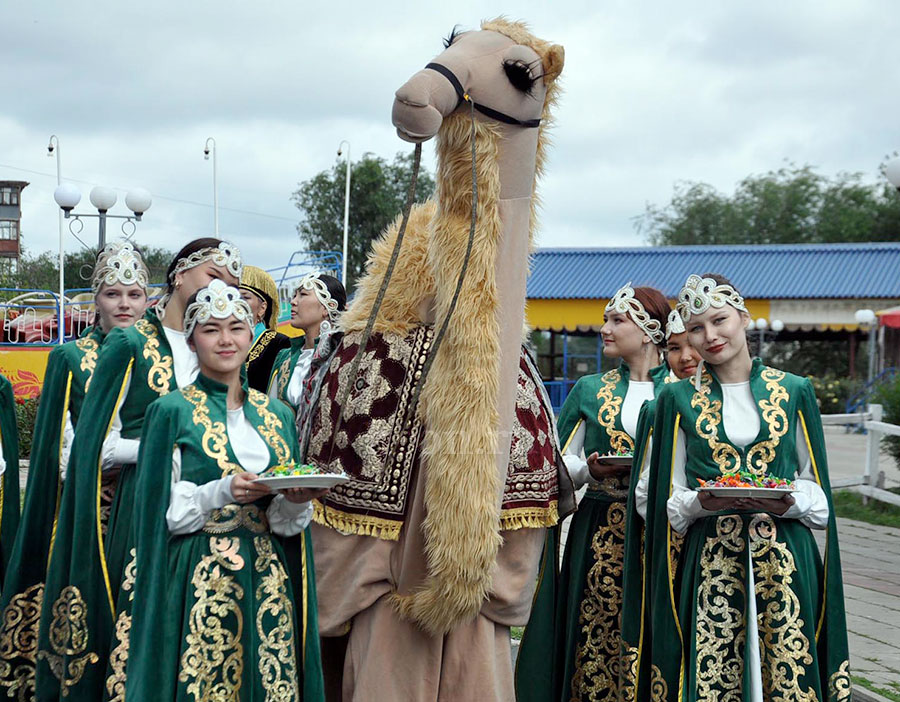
(431,552)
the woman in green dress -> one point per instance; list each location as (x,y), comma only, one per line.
(258,290)
(570,649)
(315,308)
(682,360)
(119,284)
(9,479)
(86,570)
(220,615)
(753,613)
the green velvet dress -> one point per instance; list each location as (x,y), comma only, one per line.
(9,485)
(697,611)
(223,614)
(570,648)
(283,368)
(69,370)
(86,569)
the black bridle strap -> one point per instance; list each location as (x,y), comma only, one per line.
(483,109)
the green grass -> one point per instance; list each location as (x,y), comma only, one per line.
(516,632)
(891,694)
(849,505)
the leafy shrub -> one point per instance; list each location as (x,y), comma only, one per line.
(888,395)
(832,392)
(26,413)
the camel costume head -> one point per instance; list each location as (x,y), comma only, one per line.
(468,402)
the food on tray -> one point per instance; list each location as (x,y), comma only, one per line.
(621,453)
(291,470)
(745,479)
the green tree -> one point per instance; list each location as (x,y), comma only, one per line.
(378,192)
(41,271)
(791,205)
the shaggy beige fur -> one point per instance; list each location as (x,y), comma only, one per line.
(462,486)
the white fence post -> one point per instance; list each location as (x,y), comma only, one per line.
(873,447)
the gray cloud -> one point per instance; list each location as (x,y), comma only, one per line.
(655,93)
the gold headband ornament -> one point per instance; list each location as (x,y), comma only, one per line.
(119,263)
(219,301)
(624,302)
(699,294)
(311,281)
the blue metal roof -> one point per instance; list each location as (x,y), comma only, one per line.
(787,271)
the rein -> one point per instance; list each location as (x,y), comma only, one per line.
(370,323)
(483,109)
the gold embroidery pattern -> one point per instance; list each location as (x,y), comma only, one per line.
(609,409)
(88,347)
(628,672)
(783,646)
(284,375)
(720,623)
(275,626)
(213,662)
(839,684)
(118,657)
(68,638)
(659,690)
(108,487)
(260,345)
(596,676)
(18,640)
(773,414)
(271,425)
(234,516)
(215,440)
(160,376)
(707,426)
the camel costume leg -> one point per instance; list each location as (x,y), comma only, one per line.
(428,600)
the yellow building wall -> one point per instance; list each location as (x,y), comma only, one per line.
(585,315)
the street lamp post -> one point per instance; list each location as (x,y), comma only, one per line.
(868,318)
(891,170)
(206,152)
(346,211)
(53,148)
(67,196)
(766,331)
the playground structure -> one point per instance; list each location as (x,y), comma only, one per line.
(29,318)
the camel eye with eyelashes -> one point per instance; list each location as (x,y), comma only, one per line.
(519,74)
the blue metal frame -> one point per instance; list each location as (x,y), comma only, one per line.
(328,261)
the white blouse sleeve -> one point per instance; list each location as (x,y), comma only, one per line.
(683,505)
(117,451)
(68,436)
(288,518)
(190,504)
(642,489)
(810,503)
(574,458)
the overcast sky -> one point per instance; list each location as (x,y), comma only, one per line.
(655,93)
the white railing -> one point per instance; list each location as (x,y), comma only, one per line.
(877,429)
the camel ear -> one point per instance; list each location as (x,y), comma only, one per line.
(553,63)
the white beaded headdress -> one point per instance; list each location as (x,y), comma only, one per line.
(226,255)
(311,281)
(674,324)
(699,294)
(217,300)
(119,263)
(624,302)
